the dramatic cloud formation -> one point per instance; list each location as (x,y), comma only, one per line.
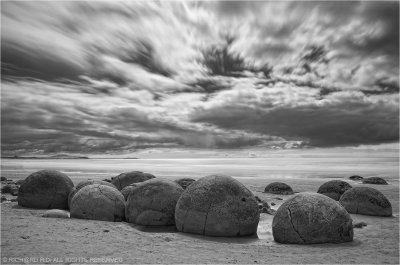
(115,77)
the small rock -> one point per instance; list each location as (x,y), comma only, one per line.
(25,237)
(6,189)
(359,225)
(273,204)
(19,182)
(3,178)
(56,213)
(277,198)
(14,190)
(107,180)
(106,230)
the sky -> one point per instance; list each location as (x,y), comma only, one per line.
(109,77)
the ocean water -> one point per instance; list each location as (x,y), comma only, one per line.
(314,166)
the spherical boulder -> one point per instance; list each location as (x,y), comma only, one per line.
(56,213)
(334,189)
(356,177)
(279,188)
(98,202)
(45,189)
(152,203)
(85,183)
(367,201)
(185,182)
(128,189)
(124,179)
(217,205)
(310,218)
(375,180)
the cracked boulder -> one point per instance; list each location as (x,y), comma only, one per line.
(334,189)
(98,202)
(152,203)
(217,205)
(375,180)
(127,178)
(85,183)
(310,218)
(128,189)
(279,188)
(367,201)
(45,189)
(185,182)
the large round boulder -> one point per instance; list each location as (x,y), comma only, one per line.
(309,218)
(185,182)
(152,203)
(45,189)
(217,205)
(98,202)
(375,180)
(367,201)
(279,188)
(127,178)
(334,189)
(85,183)
(128,189)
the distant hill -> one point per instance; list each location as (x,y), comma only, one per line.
(59,156)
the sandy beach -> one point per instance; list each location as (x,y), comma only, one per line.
(26,237)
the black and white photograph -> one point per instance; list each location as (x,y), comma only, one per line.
(199,132)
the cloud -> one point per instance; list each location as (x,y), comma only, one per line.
(340,119)
(120,76)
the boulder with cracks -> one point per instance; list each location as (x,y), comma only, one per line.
(85,183)
(45,189)
(310,218)
(152,203)
(217,205)
(98,202)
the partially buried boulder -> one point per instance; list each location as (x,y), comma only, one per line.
(128,189)
(56,213)
(375,180)
(309,218)
(98,202)
(185,182)
(85,183)
(45,189)
(152,203)
(367,201)
(356,177)
(124,179)
(279,188)
(217,205)
(334,189)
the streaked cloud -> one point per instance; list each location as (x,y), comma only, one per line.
(110,76)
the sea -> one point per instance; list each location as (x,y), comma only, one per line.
(293,165)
